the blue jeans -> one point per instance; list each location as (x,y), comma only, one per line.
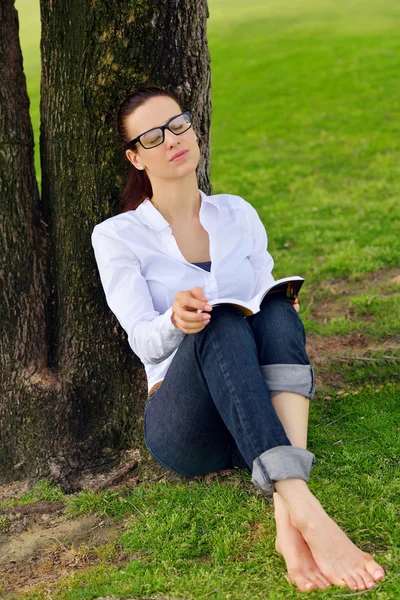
(213,410)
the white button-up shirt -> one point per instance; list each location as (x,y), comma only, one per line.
(141,270)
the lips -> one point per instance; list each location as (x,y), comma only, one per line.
(178,154)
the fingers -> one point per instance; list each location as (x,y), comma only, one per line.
(191,310)
(197,292)
(191,299)
(192,326)
(295,304)
(187,313)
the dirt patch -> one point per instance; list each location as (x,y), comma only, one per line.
(336,294)
(324,351)
(32,534)
(41,548)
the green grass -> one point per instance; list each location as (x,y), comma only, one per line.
(304,126)
(305,106)
(377,367)
(29,28)
(377,315)
(41,491)
(218,538)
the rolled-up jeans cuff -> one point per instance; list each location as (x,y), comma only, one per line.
(299,379)
(281,462)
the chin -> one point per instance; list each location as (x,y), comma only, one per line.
(188,167)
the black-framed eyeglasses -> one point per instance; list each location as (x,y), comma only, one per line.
(154,137)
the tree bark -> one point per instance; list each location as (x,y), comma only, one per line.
(29,389)
(74,390)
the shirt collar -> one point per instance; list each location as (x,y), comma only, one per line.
(149,215)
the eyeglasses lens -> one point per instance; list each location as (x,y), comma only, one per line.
(154,137)
(180,124)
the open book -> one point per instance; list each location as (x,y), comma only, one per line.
(288,286)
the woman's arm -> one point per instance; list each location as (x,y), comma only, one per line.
(152,337)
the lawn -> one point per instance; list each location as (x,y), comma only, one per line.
(305,126)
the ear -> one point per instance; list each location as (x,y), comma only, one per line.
(128,154)
(133,158)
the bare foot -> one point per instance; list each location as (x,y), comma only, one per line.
(334,553)
(301,567)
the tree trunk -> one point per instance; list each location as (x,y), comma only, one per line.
(74,390)
(29,390)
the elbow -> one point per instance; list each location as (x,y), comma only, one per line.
(143,353)
(148,354)
(153,342)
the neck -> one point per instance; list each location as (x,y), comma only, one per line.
(178,200)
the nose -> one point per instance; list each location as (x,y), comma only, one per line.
(169,137)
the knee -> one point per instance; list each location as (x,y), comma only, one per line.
(227,313)
(279,333)
(224,318)
(279,313)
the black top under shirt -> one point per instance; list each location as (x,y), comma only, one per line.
(204,265)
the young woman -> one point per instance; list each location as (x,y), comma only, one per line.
(224,390)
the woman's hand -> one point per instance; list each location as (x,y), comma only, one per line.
(184,310)
(295,304)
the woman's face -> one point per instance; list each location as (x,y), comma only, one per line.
(157,161)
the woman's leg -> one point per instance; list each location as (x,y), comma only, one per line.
(183,429)
(284,351)
(334,553)
(292,410)
(225,354)
(214,400)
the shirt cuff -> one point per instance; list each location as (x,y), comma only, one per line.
(170,326)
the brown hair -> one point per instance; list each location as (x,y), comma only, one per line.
(137,187)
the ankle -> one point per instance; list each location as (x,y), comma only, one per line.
(302,505)
(287,488)
(280,506)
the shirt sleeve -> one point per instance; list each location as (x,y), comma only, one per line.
(260,258)
(152,337)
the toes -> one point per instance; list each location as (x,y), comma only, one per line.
(313,577)
(368,580)
(372,567)
(359,581)
(320,583)
(310,581)
(351,582)
(318,579)
(309,586)
(303,583)
(324,582)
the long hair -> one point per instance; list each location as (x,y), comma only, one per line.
(137,187)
